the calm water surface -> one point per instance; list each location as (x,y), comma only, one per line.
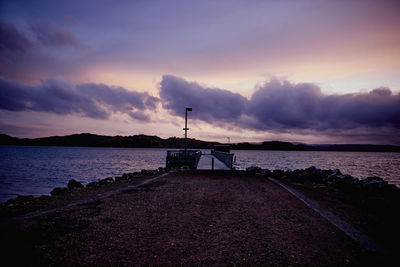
(37,170)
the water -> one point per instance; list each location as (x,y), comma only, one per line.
(37,170)
(358,164)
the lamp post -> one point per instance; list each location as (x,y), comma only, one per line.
(186,129)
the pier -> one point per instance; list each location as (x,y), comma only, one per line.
(218,159)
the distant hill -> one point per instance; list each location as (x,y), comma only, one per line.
(358,147)
(93,140)
(277,145)
(271,145)
(147,141)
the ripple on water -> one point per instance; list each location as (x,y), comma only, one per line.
(37,170)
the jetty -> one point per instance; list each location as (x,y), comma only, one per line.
(189,217)
(219,158)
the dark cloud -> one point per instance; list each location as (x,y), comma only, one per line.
(209,104)
(51,35)
(12,40)
(14,48)
(91,100)
(283,106)
(27,55)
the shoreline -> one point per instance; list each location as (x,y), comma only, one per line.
(329,177)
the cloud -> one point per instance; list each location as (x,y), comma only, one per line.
(283,106)
(42,50)
(51,35)
(12,40)
(14,48)
(96,101)
(209,104)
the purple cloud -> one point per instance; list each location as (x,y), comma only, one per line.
(97,101)
(12,40)
(51,35)
(209,104)
(284,106)
(25,56)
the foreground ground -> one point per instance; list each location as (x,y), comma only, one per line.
(185,218)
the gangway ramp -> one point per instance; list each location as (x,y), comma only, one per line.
(205,163)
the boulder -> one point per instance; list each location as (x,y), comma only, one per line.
(58,191)
(277,173)
(253,169)
(93,184)
(20,200)
(265,172)
(373,182)
(121,178)
(333,177)
(106,181)
(44,197)
(73,184)
(149,172)
(316,174)
(339,179)
(130,176)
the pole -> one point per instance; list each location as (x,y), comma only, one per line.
(186,129)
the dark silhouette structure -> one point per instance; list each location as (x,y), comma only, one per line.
(186,128)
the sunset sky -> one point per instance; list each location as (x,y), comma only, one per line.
(299,71)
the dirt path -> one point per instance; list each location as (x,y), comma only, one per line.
(185,218)
(347,228)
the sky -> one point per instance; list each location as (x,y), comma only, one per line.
(299,71)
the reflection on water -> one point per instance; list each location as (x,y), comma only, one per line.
(37,170)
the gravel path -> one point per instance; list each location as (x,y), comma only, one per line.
(185,218)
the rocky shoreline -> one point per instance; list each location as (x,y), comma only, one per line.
(366,189)
(372,192)
(370,188)
(329,177)
(74,190)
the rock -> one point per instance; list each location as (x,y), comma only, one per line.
(58,191)
(265,172)
(130,176)
(277,173)
(253,169)
(333,177)
(340,180)
(93,184)
(148,172)
(373,182)
(106,181)
(73,184)
(121,178)
(44,197)
(313,170)
(20,200)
